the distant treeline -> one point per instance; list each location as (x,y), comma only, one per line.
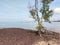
(53,21)
(56,21)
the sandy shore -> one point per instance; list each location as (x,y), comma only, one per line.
(14,36)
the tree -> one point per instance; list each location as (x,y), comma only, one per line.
(45,11)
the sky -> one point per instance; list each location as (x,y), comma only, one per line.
(17,10)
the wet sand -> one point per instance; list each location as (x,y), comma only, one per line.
(16,36)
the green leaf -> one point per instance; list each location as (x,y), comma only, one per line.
(33,12)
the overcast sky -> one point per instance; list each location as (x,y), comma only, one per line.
(17,10)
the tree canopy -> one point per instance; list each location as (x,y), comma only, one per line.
(44,10)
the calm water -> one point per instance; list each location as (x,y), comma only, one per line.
(29,25)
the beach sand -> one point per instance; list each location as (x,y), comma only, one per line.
(16,36)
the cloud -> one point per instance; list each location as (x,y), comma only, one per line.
(57,10)
(29,19)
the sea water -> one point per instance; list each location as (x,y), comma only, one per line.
(29,25)
(18,24)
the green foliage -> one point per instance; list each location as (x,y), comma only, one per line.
(47,1)
(39,27)
(33,13)
(47,16)
(45,11)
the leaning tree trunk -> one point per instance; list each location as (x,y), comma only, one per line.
(38,19)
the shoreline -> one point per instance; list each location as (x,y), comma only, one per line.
(56,30)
